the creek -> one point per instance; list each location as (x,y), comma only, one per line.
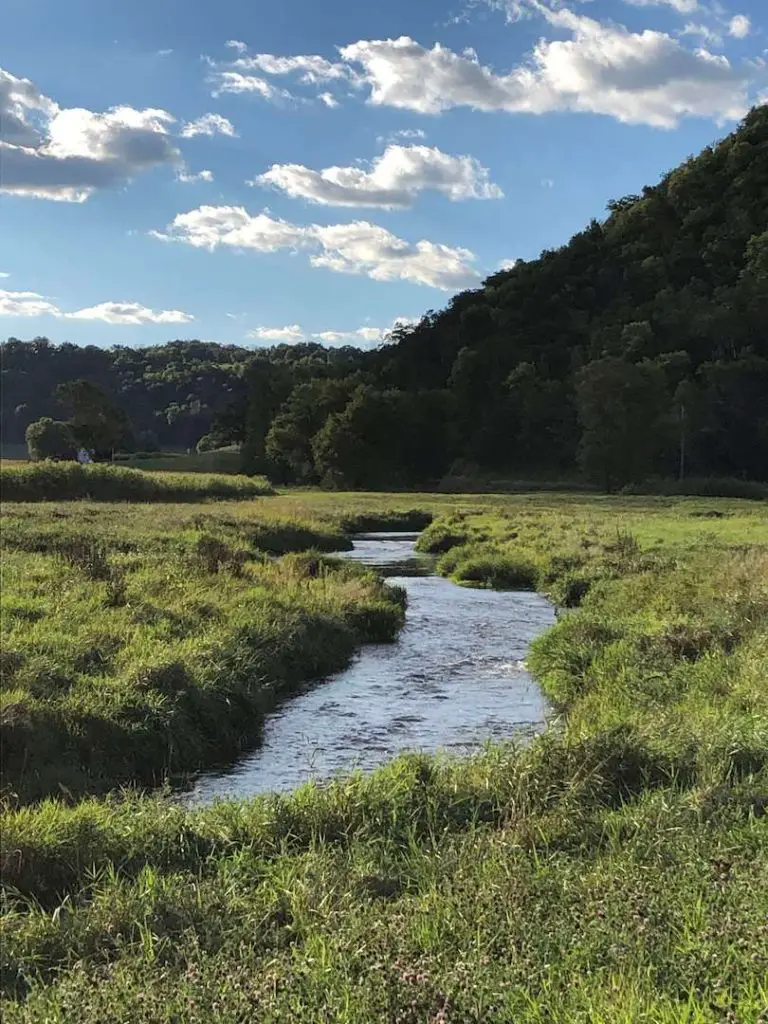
(454,679)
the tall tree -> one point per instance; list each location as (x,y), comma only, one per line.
(97,423)
(620,405)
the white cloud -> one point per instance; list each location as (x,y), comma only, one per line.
(646,77)
(186,177)
(739,26)
(508,264)
(368,336)
(208,124)
(235,82)
(292,333)
(310,69)
(246,74)
(355,248)
(681,6)
(66,154)
(3,273)
(236,44)
(26,304)
(709,35)
(23,304)
(393,181)
(404,133)
(363,337)
(129,313)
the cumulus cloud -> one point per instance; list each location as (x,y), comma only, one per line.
(355,248)
(26,304)
(329,100)
(66,154)
(208,124)
(363,337)
(187,177)
(509,264)
(130,313)
(637,77)
(4,273)
(393,180)
(291,334)
(739,26)
(236,44)
(32,304)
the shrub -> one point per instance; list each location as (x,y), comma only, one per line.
(497,570)
(50,439)
(439,538)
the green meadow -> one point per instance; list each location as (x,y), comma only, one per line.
(614,870)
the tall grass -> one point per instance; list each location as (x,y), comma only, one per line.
(615,870)
(221,460)
(56,481)
(131,655)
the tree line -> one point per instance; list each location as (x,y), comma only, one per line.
(638,349)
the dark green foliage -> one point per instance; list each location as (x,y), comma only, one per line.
(97,423)
(173,394)
(620,406)
(50,439)
(385,438)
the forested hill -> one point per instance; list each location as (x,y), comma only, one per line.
(171,393)
(637,349)
(666,297)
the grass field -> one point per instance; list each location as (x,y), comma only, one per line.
(222,460)
(144,640)
(613,871)
(69,481)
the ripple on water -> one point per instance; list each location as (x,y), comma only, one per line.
(454,679)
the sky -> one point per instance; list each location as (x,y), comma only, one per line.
(324,169)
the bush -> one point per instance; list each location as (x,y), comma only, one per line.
(208,443)
(440,538)
(494,569)
(50,439)
(71,481)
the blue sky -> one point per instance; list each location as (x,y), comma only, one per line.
(252,173)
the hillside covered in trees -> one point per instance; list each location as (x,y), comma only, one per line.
(638,349)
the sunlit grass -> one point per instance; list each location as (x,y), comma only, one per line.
(614,870)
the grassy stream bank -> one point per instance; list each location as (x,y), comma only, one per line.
(615,870)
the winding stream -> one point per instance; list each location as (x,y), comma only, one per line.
(454,679)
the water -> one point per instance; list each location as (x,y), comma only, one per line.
(454,679)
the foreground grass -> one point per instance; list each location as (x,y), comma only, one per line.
(145,642)
(50,481)
(615,870)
